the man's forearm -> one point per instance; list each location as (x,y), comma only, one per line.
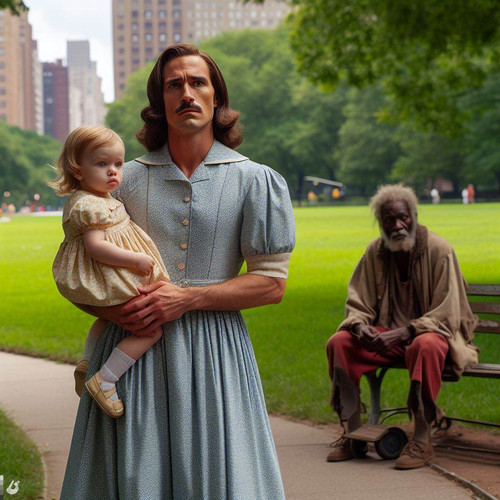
(242,292)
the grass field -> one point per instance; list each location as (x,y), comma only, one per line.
(289,339)
(19,461)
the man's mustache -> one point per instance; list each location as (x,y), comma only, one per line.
(395,235)
(188,105)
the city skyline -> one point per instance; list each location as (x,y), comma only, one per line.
(55,22)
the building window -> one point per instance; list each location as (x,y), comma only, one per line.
(121,62)
(120,26)
(149,50)
(177,24)
(135,26)
(162,26)
(177,37)
(135,49)
(135,37)
(121,50)
(135,14)
(177,14)
(162,14)
(3,91)
(149,37)
(122,74)
(163,37)
(135,60)
(148,14)
(120,38)
(122,86)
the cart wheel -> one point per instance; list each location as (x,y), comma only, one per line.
(359,448)
(391,445)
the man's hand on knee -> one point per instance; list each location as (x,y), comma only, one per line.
(364,334)
(389,340)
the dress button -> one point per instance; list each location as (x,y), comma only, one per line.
(184,246)
(187,199)
(185,222)
(181,266)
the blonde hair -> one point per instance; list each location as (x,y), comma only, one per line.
(394,192)
(78,142)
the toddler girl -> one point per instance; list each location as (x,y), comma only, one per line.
(104,257)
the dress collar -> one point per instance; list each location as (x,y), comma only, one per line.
(218,154)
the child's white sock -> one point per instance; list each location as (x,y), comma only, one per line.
(89,348)
(114,367)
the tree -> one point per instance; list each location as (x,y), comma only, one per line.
(289,123)
(482,155)
(123,115)
(367,149)
(426,53)
(26,165)
(15,6)
(425,157)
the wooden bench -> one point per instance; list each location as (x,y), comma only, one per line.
(484,370)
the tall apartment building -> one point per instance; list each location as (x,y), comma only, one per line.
(143,28)
(20,98)
(86,99)
(56,100)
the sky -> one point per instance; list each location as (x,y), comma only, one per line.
(56,21)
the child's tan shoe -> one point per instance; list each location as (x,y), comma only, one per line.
(80,375)
(112,408)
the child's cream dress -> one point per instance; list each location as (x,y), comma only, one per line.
(84,280)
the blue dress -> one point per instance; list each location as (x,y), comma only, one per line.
(195,423)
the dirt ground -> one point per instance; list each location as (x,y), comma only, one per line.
(478,467)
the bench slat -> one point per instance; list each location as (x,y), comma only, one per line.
(485,307)
(483,290)
(487,326)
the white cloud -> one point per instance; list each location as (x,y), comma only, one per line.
(55,22)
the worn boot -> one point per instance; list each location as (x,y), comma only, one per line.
(341,450)
(414,455)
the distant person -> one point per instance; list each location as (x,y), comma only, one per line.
(435,196)
(471,193)
(465,196)
(104,257)
(406,302)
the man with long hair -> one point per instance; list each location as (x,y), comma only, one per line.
(406,302)
(197,427)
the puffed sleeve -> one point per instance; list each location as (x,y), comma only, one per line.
(268,229)
(90,212)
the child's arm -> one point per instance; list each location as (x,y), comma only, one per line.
(108,253)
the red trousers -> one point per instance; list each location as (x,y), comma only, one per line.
(424,357)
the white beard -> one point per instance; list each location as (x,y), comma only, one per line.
(400,244)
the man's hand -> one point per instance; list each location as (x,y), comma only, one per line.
(365,334)
(386,341)
(157,304)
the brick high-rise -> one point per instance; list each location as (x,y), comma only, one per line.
(20,75)
(143,28)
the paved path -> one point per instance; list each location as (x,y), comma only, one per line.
(44,404)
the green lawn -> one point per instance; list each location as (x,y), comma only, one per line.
(19,461)
(289,338)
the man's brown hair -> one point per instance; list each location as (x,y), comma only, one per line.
(154,132)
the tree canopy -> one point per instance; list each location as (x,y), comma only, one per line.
(293,126)
(25,166)
(15,6)
(426,53)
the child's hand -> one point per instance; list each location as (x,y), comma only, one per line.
(144,264)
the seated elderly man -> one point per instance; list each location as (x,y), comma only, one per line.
(406,302)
